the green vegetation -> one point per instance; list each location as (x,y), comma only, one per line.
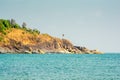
(32,31)
(47,35)
(1,38)
(7,24)
(36,31)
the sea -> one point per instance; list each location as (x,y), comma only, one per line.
(60,66)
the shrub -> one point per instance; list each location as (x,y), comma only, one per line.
(16,26)
(6,23)
(1,38)
(36,31)
(2,27)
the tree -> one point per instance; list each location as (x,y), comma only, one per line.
(24,25)
(6,23)
(12,22)
(2,26)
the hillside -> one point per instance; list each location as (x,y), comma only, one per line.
(20,39)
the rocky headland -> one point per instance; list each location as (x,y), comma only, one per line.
(20,39)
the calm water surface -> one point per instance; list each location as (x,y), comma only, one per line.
(59,67)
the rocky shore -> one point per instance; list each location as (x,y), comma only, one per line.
(63,46)
(16,39)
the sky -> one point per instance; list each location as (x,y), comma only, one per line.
(94,24)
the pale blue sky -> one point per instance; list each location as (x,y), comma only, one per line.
(90,23)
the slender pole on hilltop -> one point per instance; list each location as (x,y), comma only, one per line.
(63,36)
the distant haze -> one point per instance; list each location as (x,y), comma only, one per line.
(91,23)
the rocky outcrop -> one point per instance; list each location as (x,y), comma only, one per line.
(87,51)
(54,46)
(16,39)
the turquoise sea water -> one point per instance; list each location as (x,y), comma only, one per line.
(59,67)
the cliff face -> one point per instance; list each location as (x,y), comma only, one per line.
(20,40)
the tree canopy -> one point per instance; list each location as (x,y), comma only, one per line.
(7,24)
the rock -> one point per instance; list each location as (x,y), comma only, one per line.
(96,51)
(41,51)
(28,52)
(87,51)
